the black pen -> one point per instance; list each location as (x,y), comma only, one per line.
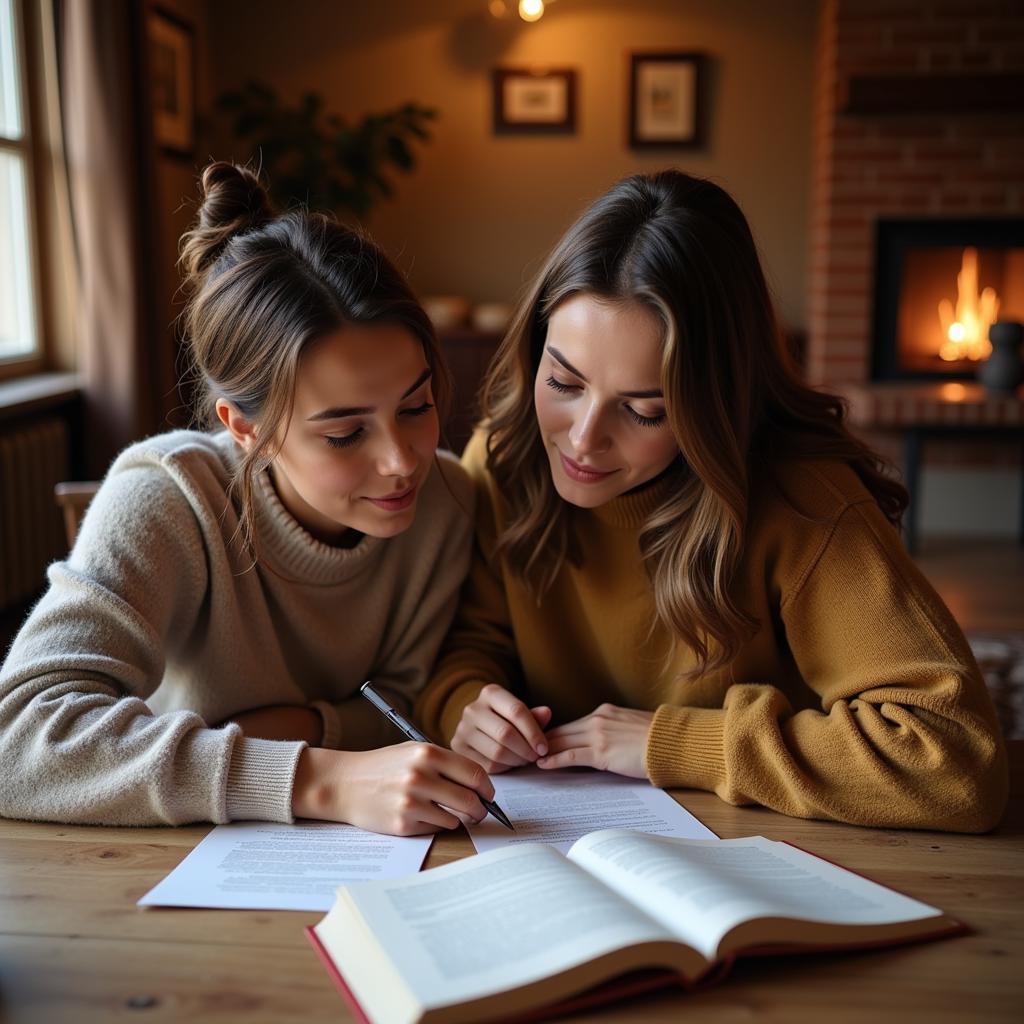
(413,733)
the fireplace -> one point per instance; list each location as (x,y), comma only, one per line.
(939,284)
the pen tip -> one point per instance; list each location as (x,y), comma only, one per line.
(498,814)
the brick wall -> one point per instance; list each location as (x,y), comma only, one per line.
(869,166)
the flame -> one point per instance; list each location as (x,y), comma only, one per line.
(966,326)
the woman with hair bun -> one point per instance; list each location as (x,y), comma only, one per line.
(198,655)
(687,568)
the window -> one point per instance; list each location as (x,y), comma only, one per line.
(19,333)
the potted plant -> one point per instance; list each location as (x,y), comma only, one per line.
(321,159)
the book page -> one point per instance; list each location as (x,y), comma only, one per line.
(486,924)
(700,890)
(264,866)
(558,807)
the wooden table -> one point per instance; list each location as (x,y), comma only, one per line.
(75,948)
(930,411)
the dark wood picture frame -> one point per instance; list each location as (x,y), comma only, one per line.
(532,102)
(172,67)
(666,100)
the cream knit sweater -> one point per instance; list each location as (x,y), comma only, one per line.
(157,626)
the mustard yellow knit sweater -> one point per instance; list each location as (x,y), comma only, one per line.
(857,699)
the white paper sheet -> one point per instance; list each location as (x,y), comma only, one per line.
(263,866)
(558,807)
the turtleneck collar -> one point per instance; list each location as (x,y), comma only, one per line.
(280,538)
(630,510)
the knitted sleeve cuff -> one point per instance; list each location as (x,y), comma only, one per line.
(462,696)
(331,722)
(685,747)
(260,780)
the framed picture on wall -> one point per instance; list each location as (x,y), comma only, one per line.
(532,102)
(172,74)
(665,99)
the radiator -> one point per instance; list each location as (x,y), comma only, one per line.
(33,457)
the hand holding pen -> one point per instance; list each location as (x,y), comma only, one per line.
(408,789)
(408,729)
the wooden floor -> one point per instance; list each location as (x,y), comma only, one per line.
(982,582)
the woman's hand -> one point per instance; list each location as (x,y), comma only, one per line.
(499,731)
(405,790)
(610,738)
(282,722)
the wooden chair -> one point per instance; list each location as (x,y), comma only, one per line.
(73,498)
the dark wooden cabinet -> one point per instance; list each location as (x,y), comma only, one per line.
(468,354)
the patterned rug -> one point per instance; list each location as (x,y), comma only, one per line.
(1001,659)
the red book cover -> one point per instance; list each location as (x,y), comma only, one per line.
(632,984)
(346,992)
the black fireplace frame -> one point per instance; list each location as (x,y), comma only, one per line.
(894,237)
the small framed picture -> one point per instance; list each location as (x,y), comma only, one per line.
(172,65)
(532,102)
(665,99)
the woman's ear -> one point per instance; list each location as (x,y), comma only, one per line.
(240,428)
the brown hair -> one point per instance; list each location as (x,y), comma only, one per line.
(680,246)
(261,288)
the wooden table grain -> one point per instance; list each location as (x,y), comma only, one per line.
(75,948)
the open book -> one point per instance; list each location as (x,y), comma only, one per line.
(523,929)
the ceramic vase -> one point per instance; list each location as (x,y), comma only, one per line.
(1003,371)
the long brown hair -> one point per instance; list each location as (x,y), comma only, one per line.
(261,288)
(680,246)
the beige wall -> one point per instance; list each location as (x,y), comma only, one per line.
(480,210)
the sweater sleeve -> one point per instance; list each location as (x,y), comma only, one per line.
(77,740)
(420,615)
(905,736)
(480,648)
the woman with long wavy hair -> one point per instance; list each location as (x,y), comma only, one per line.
(687,568)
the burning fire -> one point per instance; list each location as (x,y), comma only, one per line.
(966,326)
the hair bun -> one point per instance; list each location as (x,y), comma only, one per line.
(233,202)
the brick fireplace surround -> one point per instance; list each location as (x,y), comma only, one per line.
(895,136)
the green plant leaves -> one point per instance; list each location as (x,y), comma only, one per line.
(319,159)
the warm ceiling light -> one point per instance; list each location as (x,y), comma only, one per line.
(531,10)
(498,8)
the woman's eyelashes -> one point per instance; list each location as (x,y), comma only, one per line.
(418,410)
(645,421)
(638,418)
(344,440)
(558,385)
